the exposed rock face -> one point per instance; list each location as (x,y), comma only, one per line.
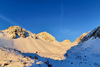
(23,34)
(20,32)
(46,36)
(23,30)
(17,31)
(14,35)
(66,41)
(35,36)
(15,28)
(97,32)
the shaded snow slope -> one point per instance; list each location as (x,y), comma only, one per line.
(83,55)
(86,54)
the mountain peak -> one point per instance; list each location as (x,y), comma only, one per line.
(15,28)
(17,31)
(11,27)
(46,36)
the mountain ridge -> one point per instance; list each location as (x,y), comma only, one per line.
(44,43)
(45,35)
(35,50)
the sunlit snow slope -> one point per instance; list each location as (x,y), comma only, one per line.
(44,44)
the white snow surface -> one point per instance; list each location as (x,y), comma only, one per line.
(54,50)
(30,52)
(13,58)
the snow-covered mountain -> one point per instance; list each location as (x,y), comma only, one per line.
(44,44)
(43,50)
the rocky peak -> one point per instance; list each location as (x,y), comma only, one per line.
(14,27)
(17,31)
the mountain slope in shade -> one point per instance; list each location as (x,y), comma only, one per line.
(85,54)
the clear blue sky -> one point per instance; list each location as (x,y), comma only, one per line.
(64,19)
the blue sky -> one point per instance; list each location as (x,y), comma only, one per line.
(64,19)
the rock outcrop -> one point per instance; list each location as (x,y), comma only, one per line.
(14,35)
(35,36)
(17,31)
